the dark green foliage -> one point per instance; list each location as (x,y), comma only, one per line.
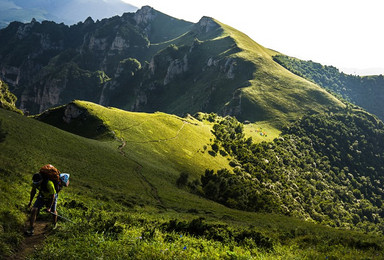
(183,179)
(7,99)
(3,134)
(325,167)
(366,92)
(211,117)
(198,227)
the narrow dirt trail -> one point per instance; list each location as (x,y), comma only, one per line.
(144,181)
(32,243)
(153,192)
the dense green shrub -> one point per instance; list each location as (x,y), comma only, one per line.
(183,179)
(324,167)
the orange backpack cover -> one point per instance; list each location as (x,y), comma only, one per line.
(49,171)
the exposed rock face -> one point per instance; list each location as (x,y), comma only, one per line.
(97,44)
(89,21)
(24,30)
(207,24)
(234,106)
(141,100)
(91,46)
(176,67)
(12,74)
(46,97)
(229,67)
(144,16)
(152,66)
(119,44)
(212,62)
(71,112)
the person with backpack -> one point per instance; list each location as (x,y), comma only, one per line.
(48,182)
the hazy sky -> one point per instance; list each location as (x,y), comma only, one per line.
(347,34)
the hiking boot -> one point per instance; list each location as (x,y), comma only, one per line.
(54,226)
(29,232)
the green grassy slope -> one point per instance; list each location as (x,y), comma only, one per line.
(366,91)
(225,71)
(117,196)
(274,92)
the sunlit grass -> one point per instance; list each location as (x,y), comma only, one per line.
(117,196)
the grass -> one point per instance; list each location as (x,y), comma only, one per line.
(259,89)
(125,204)
(273,91)
(261,131)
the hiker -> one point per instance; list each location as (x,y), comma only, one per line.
(49,182)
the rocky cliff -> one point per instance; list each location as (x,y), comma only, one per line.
(148,61)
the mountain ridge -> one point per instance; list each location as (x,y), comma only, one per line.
(207,66)
(68,12)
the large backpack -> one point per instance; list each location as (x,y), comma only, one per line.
(49,172)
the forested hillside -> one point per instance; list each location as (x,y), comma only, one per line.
(366,92)
(325,167)
(148,61)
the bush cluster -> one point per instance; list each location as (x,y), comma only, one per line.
(324,167)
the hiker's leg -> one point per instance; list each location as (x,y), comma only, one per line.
(53,209)
(32,219)
(55,218)
(35,211)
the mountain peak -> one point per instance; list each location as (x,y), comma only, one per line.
(89,20)
(207,25)
(144,15)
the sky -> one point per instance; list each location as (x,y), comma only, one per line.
(347,34)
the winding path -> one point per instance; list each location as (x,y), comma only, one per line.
(153,192)
(32,243)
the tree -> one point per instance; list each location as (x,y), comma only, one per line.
(182,181)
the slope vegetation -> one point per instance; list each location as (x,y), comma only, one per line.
(7,99)
(127,198)
(148,61)
(215,68)
(366,92)
(324,167)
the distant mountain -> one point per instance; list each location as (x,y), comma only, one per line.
(364,91)
(149,61)
(68,12)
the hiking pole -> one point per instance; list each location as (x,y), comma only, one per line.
(61,217)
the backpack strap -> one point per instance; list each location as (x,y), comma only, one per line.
(44,185)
